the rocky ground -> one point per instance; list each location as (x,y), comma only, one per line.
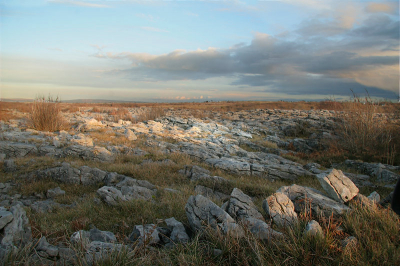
(163,181)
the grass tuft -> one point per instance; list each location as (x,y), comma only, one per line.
(46,115)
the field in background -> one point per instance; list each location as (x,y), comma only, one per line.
(367,130)
(224,106)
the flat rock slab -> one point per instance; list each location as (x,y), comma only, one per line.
(280,208)
(338,186)
(230,165)
(382,172)
(136,192)
(305,198)
(17,150)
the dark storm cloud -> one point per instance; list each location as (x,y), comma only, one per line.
(323,59)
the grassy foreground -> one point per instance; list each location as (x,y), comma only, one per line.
(377,230)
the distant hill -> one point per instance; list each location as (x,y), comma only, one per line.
(16,100)
(73,101)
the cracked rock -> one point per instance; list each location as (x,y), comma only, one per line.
(280,208)
(241,206)
(146,234)
(309,199)
(202,212)
(338,186)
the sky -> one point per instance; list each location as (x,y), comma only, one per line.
(138,50)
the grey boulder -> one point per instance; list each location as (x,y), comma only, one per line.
(280,208)
(304,198)
(18,230)
(146,234)
(338,186)
(110,195)
(178,232)
(241,206)
(202,212)
(136,192)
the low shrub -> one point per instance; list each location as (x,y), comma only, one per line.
(150,114)
(46,114)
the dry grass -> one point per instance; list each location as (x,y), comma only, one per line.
(46,115)
(367,134)
(377,230)
(151,114)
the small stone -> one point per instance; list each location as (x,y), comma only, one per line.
(55,192)
(374,196)
(349,242)
(146,234)
(102,236)
(313,228)
(110,195)
(9,165)
(80,236)
(217,252)
(130,135)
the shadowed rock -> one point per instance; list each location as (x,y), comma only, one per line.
(241,206)
(178,232)
(202,212)
(305,198)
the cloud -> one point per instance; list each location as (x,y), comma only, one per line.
(338,56)
(145,16)
(314,4)
(78,3)
(389,8)
(153,29)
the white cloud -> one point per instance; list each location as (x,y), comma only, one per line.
(79,3)
(145,16)
(314,4)
(153,29)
